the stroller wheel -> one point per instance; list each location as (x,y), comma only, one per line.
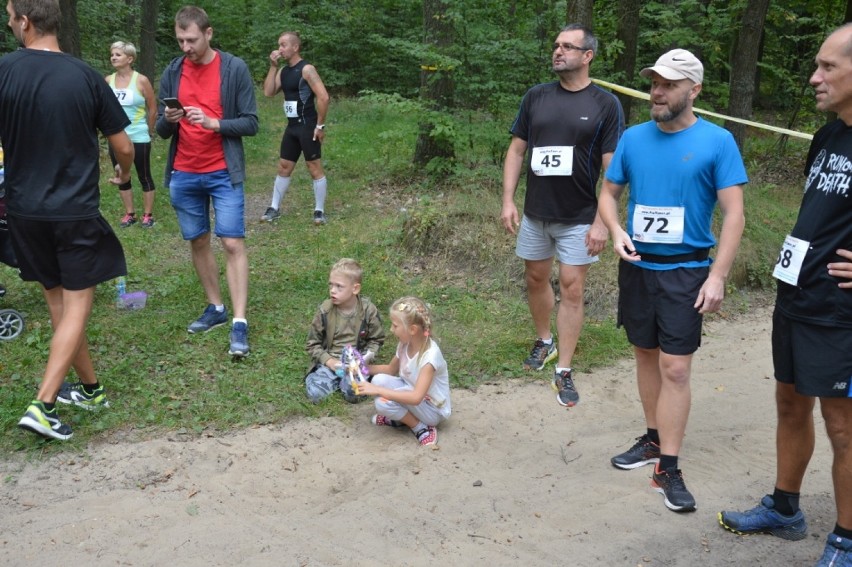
(11,324)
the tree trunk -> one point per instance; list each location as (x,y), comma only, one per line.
(147,62)
(69,31)
(580,12)
(625,62)
(437,88)
(744,66)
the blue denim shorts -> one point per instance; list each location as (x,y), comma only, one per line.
(191,195)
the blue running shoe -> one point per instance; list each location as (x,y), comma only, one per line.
(209,320)
(765,519)
(45,423)
(239,340)
(838,552)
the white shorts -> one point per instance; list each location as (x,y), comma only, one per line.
(539,240)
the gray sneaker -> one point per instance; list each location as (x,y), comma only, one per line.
(270,215)
(563,383)
(209,320)
(319,218)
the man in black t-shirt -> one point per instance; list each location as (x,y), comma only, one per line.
(305,106)
(565,131)
(58,234)
(812,323)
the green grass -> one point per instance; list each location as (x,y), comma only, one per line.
(438,238)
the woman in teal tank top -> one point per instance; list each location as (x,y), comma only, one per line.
(136,95)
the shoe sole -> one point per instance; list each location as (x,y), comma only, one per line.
(207,330)
(238,353)
(787,533)
(269,220)
(88,407)
(34,426)
(669,505)
(630,467)
(547,359)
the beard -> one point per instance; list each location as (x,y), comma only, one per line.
(671,111)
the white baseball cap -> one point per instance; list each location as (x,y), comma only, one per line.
(675,65)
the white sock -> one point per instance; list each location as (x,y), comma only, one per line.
(279,189)
(320,192)
(548,341)
(560,370)
(219,308)
(239,320)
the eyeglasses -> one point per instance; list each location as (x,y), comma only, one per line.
(567,47)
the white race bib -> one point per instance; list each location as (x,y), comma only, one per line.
(790,260)
(553,160)
(290,108)
(124,96)
(658,225)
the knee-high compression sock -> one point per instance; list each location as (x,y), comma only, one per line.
(279,189)
(320,192)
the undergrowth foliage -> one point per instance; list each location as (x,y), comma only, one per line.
(437,237)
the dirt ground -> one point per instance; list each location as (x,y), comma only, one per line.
(514,480)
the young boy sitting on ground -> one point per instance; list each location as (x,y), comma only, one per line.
(345,318)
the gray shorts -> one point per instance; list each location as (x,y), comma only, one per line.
(539,240)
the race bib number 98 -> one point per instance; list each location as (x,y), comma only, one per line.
(552,160)
(789,263)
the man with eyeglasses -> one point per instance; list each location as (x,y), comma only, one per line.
(565,131)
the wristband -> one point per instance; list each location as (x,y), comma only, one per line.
(320,126)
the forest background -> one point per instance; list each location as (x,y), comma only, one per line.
(423,96)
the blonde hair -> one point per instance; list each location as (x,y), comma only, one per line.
(414,311)
(349,268)
(125,46)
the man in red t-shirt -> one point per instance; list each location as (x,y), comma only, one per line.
(206,165)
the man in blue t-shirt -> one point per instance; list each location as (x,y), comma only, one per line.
(564,132)
(678,167)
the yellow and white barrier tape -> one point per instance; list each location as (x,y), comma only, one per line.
(645,96)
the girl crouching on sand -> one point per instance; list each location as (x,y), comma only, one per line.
(414,389)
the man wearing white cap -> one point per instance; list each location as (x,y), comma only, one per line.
(678,167)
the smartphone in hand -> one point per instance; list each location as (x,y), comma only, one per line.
(172,102)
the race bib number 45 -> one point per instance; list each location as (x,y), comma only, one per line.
(790,260)
(552,160)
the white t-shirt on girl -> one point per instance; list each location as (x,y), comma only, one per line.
(409,370)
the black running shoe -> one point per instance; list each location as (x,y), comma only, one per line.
(563,383)
(643,452)
(540,355)
(670,484)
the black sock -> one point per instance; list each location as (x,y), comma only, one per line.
(842,532)
(668,462)
(786,503)
(49,407)
(90,388)
(654,436)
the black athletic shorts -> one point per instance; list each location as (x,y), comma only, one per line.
(815,359)
(298,139)
(76,255)
(655,307)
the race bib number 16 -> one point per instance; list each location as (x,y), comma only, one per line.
(790,260)
(552,160)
